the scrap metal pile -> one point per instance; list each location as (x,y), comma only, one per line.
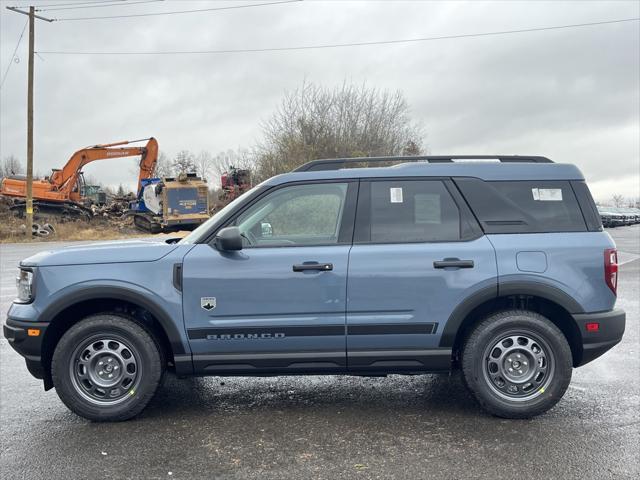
(115,210)
(112,216)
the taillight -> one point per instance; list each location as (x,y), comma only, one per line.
(611,269)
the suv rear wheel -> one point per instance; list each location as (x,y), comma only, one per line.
(106,368)
(517,364)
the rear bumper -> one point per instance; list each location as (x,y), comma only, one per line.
(611,328)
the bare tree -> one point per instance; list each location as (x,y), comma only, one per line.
(411,149)
(223,161)
(11,166)
(204,164)
(91,180)
(184,162)
(163,166)
(348,121)
(618,200)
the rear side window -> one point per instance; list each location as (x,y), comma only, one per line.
(406,211)
(523,206)
(588,206)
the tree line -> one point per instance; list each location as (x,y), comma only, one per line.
(311,122)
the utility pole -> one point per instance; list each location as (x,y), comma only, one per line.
(29,203)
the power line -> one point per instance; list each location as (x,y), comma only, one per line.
(121,3)
(13,56)
(83,3)
(341,45)
(175,12)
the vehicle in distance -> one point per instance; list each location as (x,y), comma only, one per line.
(498,268)
(610,217)
(618,216)
(632,215)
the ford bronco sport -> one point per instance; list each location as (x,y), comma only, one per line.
(497,266)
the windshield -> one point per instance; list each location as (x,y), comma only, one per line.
(202,231)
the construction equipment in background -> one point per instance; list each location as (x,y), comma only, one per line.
(94,195)
(62,192)
(234,183)
(169,204)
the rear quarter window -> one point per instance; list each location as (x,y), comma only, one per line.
(523,206)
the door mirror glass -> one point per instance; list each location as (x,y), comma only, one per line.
(229,239)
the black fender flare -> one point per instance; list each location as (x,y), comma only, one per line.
(97,292)
(503,289)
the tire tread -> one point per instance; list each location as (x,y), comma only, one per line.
(474,344)
(107,321)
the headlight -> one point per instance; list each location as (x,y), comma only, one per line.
(24,284)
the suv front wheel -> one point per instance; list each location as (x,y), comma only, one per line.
(517,364)
(106,368)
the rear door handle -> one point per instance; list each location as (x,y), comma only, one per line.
(453,263)
(322,267)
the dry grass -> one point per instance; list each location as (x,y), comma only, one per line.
(89,231)
(12,231)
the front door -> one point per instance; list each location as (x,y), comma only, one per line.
(416,256)
(279,304)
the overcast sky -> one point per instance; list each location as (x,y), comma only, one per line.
(571,94)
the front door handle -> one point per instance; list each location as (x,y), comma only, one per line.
(453,263)
(322,267)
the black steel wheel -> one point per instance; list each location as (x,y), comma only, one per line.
(517,364)
(107,367)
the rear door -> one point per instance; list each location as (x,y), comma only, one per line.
(417,254)
(278,305)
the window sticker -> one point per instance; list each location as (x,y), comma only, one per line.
(395,195)
(547,194)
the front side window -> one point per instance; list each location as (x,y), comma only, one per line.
(412,211)
(295,216)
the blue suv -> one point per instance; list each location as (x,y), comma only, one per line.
(497,266)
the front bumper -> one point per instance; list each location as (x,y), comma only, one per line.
(23,339)
(610,331)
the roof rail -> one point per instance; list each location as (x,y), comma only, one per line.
(338,163)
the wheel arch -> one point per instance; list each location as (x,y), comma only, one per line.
(66,311)
(546,300)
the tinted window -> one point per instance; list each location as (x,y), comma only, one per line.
(523,206)
(588,206)
(412,211)
(295,215)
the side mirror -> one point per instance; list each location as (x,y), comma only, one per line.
(229,239)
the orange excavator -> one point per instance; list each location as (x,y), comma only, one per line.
(62,191)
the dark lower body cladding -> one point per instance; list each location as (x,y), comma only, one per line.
(26,338)
(596,341)
(361,362)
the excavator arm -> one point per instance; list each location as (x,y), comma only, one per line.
(65,179)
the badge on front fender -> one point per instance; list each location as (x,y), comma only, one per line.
(208,303)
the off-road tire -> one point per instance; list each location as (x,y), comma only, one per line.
(476,364)
(146,351)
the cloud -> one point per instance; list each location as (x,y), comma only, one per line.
(569,94)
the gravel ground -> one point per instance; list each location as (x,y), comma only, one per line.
(330,427)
